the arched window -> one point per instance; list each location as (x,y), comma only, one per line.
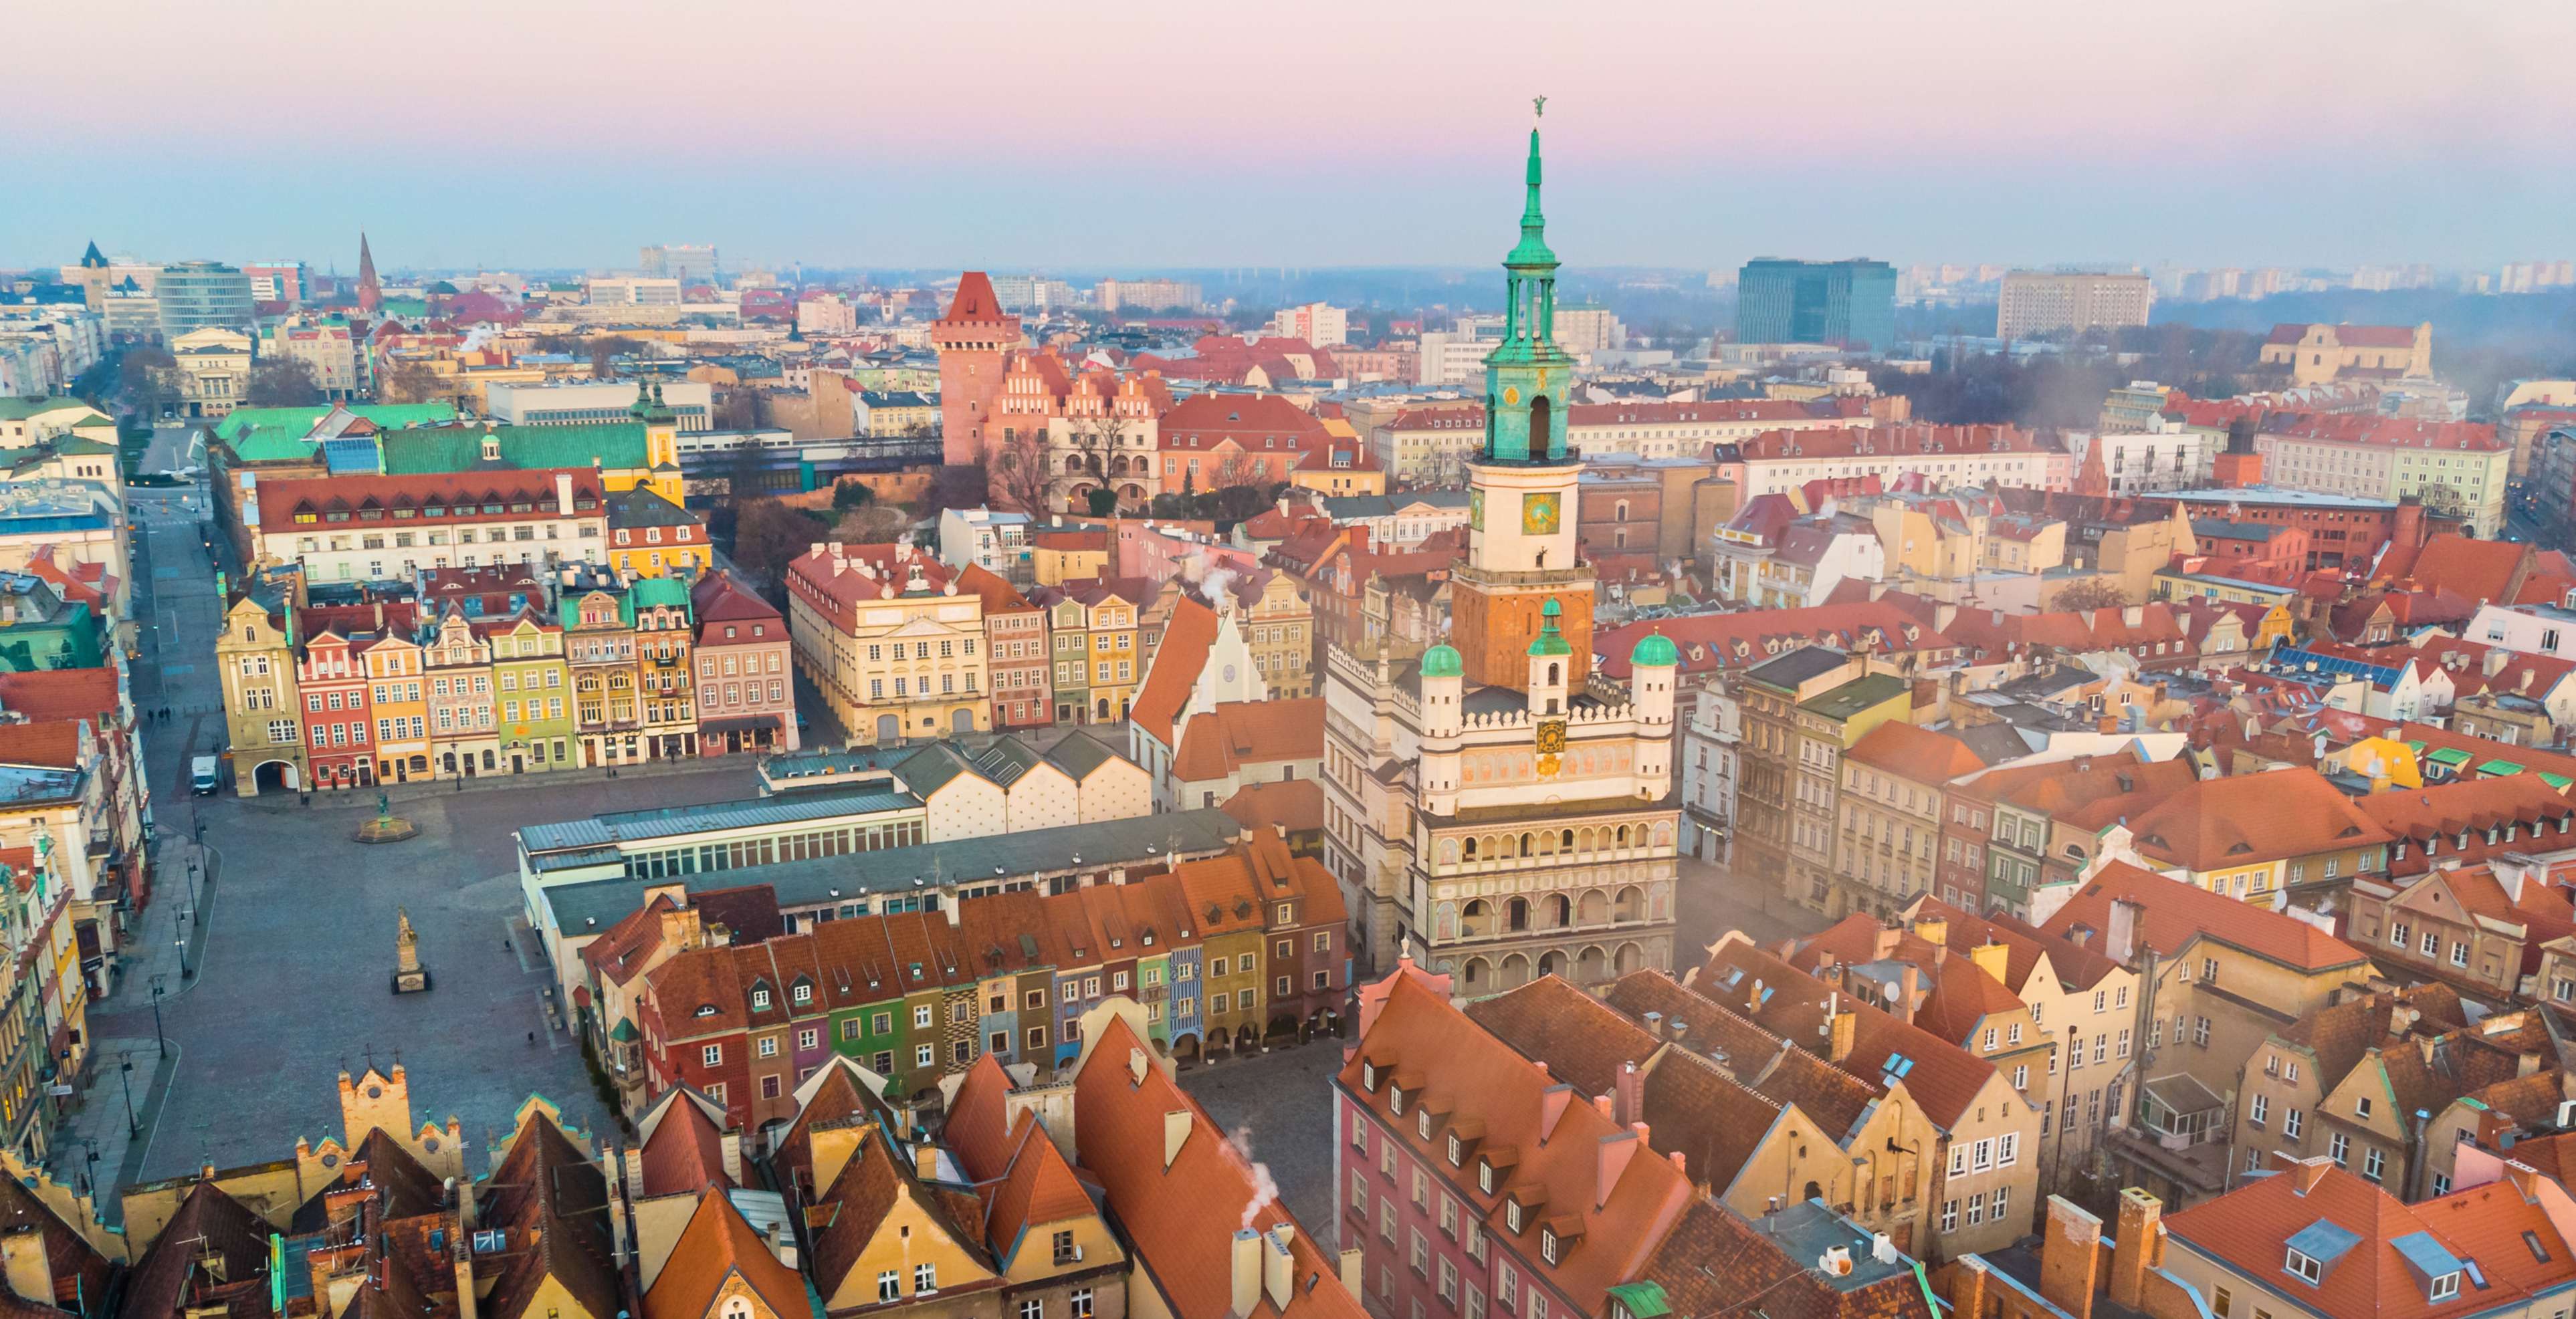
(1541,425)
(1552,678)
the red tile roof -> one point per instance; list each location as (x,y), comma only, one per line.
(1611,1216)
(1174,672)
(52,745)
(1944,1080)
(2173,913)
(1296,805)
(1709,642)
(60,693)
(717,1245)
(685,1151)
(435,499)
(1181,1217)
(1234,734)
(2241,819)
(2249,1231)
(1916,754)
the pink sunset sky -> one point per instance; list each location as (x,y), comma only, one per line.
(1688,134)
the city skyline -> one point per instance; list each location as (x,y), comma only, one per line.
(1681,139)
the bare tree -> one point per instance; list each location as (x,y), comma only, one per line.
(411,382)
(1019,478)
(1093,442)
(1239,468)
(2092,593)
(282,382)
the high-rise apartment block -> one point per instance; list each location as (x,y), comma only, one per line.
(2037,302)
(1850,304)
(1147,295)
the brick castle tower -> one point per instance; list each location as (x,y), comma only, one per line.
(1521,484)
(973,339)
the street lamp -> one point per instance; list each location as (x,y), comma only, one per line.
(125,1078)
(160,1042)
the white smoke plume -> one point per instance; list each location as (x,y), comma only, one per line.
(1265,1192)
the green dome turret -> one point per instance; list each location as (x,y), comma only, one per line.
(1654,651)
(1443,661)
(1550,641)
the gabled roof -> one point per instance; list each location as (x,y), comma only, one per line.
(167,1281)
(1943,1078)
(1038,1190)
(853,1210)
(2173,913)
(2212,824)
(719,1244)
(1175,670)
(1422,1043)
(684,1153)
(1180,1216)
(1237,733)
(1919,755)
(552,1200)
(2374,1249)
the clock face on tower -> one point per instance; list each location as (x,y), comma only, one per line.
(1476,509)
(1511,396)
(1551,737)
(1539,512)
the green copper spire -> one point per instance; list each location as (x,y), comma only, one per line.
(1527,373)
(1532,249)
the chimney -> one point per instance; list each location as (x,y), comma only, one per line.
(2493,662)
(563,494)
(1135,1062)
(2121,942)
(1627,1095)
(1655,1024)
(1991,958)
(1176,1129)
(1246,1272)
(1277,1265)
(1349,1268)
(1934,930)
(925,1161)
(2139,1248)
(31,1271)
(2070,1257)
(1840,1029)
(1552,1103)
(460,1256)
(1611,1159)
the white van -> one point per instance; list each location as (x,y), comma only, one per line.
(205,775)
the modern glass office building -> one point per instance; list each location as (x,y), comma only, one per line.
(1851,304)
(196,294)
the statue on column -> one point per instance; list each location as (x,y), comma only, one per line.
(410,977)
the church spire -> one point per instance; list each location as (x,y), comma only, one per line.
(1533,249)
(371,295)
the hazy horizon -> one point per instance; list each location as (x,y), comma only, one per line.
(543,135)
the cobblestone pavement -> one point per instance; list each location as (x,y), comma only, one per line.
(1713,902)
(1278,1106)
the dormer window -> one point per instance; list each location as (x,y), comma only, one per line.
(1395,1102)
(760,1000)
(2304,1266)
(1368,1076)
(802,994)
(1484,1171)
(1547,1246)
(2444,1287)
(1422,1124)
(1457,1151)
(1512,1215)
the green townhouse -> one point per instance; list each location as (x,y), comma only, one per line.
(532,692)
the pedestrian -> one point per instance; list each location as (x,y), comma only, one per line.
(505,945)
(532,1037)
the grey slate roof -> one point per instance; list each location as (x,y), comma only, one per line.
(589,908)
(627,828)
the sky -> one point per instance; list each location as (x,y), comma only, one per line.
(1153,133)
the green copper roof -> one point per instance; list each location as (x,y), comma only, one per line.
(277,434)
(1642,1299)
(2451,756)
(1655,650)
(20,409)
(1443,661)
(1532,250)
(614,444)
(2499,768)
(1551,609)
(1550,641)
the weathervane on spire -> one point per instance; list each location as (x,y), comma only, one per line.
(1538,107)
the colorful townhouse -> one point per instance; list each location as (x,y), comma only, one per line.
(919,995)
(532,689)
(657,609)
(746,670)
